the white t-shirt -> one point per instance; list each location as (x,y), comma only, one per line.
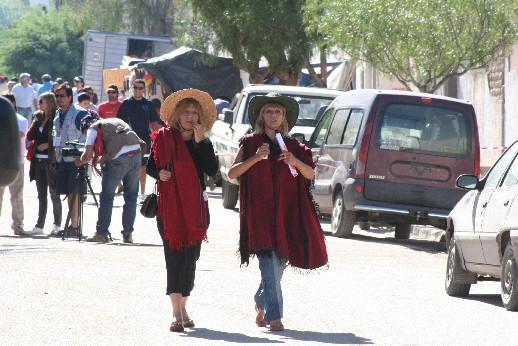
(23,127)
(91,136)
(24,95)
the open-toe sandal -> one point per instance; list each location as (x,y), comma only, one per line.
(259,319)
(188,323)
(176,326)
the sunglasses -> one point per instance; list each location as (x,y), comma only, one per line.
(41,102)
(111,92)
(138,88)
(61,95)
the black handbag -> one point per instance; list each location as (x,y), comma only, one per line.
(150,205)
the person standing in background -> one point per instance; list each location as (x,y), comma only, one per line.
(43,162)
(140,114)
(110,108)
(25,97)
(47,84)
(16,187)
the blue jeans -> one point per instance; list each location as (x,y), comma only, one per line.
(127,169)
(269,295)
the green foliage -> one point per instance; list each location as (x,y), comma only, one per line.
(250,29)
(44,43)
(420,42)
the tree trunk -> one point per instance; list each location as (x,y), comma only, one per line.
(323,67)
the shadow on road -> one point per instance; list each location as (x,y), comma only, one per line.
(132,244)
(327,338)
(491,299)
(214,335)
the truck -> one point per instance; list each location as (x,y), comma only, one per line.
(105,50)
(233,124)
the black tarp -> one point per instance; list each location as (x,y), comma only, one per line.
(190,68)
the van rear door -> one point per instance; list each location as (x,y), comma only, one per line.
(418,148)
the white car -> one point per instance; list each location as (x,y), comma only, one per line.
(233,124)
(482,233)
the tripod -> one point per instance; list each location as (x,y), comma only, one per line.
(81,177)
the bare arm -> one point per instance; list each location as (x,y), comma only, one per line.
(86,156)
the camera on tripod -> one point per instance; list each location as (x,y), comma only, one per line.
(76,151)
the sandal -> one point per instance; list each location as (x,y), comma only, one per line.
(188,323)
(259,319)
(176,326)
(276,326)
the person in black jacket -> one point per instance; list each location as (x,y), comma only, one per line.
(43,162)
(180,156)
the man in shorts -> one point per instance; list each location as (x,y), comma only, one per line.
(67,128)
(140,114)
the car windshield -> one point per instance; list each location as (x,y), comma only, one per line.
(311,108)
(422,128)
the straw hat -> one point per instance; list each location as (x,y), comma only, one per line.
(208,108)
(289,103)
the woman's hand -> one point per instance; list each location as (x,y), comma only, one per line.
(199,133)
(43,147)
(262,152)
(164,175)
(288,159)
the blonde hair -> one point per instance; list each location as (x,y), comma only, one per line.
(51,102)
(259,123)
(180,108)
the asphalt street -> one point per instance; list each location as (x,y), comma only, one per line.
(376,290)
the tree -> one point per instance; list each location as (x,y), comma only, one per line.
(44,43)
(422,43)
(11,11)
(250,29)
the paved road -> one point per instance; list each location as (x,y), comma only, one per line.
(376,290)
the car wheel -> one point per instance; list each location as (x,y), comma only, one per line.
(402,231)
(230,194)
(453,271)
(342,221)
(509,280)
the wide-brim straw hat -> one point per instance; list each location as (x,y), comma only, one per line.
(208,108)
(289,103)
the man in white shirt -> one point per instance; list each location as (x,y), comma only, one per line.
(25,97)
(16,187)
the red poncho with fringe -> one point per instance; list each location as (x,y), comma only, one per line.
(181,206)
(276,209)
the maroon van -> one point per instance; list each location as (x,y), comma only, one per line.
(392,157)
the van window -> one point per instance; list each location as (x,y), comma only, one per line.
(320,131)
(421,128)
(337,127)
(353,126)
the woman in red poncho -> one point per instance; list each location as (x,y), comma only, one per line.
(180,156)
(279,223)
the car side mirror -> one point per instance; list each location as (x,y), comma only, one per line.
(300,137)
(468,182)
(228,116)
(10,155)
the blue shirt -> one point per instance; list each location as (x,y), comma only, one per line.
(47,86)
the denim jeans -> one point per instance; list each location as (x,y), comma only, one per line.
(127,169)
(26,113)
(269,294)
